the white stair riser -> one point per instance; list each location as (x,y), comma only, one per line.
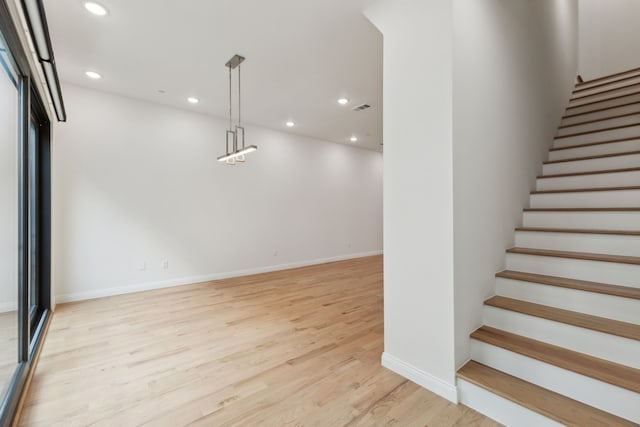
(616,102)
(600,180)
(580,242)
(609,306)
(500,409)
(621,91)
(602,163)
(600,136)
(597,344)
(596,271)
(602,86)
(608,80)
(587,199)
(617,220)
(601,395)
(600,125)
(595,150)
(610,112)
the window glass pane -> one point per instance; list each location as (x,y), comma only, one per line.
(9,125)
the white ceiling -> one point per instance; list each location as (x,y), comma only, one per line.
(302,55)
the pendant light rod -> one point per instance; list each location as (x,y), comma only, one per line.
(230,100)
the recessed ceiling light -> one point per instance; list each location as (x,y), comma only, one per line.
(93,75)
(193,100)
(95,8)
(343,101)
(354,139)
(290,124)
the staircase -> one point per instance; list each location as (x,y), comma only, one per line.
(560,344)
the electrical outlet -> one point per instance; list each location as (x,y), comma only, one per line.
(142,266)
(165,264)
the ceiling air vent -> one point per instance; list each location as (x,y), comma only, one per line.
(361,107)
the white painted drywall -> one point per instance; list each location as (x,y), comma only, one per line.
(514,68)
(609,34)
(418,196)
(136,183)
(9,123)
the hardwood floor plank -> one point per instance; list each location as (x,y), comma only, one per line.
(296,347)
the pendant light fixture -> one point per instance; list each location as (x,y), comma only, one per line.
(235,146)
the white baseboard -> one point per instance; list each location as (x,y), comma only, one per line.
(420,377)
(147,286)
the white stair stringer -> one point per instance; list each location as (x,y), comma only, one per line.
(595,150)
(601,395)
(623,351)
(613,244)
(500,409)
(620,178)
(612,273)
(594,304)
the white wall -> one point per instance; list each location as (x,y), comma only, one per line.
(418,201)
(514,67)
(609,34)
(137,183)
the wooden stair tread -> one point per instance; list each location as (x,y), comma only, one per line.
(580,285)
(603,119)
(596,172)
(593,367)
(586,190)
(620,209)
(546,402)
(597,131)
(621,259)
(587,321)
(590,144)
(609,76)
(566,116)
(599,156)
(576,98)
(603,100)
(580,231)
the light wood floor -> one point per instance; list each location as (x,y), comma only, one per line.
(8,348)
(292,348)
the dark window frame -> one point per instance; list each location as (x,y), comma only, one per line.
(31,329)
